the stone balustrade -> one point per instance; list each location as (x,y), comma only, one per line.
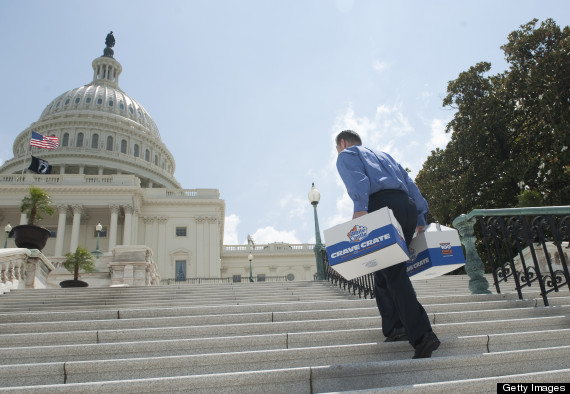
(272,248)
(161,193)
(70,180)
(22,269)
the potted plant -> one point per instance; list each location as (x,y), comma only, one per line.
(80,260)
(34,205)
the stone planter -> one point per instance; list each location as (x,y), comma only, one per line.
(30,236)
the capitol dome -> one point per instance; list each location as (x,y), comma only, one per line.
(100,97)
(101,131)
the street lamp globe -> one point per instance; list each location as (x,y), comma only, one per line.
(314,195)
(97,252)
(7,228)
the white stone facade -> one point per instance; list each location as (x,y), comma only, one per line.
(111,167)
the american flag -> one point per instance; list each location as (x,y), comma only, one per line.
(43,141)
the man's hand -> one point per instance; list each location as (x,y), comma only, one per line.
(358,214)
(420,229)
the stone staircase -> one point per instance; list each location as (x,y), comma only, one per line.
(293,337)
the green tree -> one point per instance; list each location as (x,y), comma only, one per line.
(36,203)
(80,260)
(509,131)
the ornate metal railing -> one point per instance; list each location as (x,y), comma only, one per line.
(526,245)
(363,285)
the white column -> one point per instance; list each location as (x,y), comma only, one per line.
(200,247)
(148,221)
(159,253)
(135,234)
(23,219)
(62,169)
(77,209)
(62,209)
(100,170)
(215,253)
(82,169)
(127,231)
(113,226)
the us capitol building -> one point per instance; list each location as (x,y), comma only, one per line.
(112,168)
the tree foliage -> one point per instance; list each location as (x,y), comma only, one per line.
(80,260)
(36,203)
(510,131)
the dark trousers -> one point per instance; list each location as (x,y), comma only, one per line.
(395,295)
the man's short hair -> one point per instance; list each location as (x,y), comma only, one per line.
(349,136)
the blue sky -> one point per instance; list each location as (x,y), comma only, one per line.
(248,95)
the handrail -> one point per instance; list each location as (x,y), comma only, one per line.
(512,239)
(554,210)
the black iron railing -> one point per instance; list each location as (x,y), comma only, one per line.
(362,286)
(526,245)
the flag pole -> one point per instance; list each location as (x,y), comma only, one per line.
(25,156)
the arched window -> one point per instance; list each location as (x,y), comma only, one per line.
(124,146)
(136,150)
(79,142)
(65,139)
(147,155)
(95,141)
(109,143)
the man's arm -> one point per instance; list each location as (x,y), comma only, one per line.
(351,170)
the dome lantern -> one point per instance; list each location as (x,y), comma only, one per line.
(105,68)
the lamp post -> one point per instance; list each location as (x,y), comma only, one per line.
(314,198)
(8,228)
(250,257)
(97,252)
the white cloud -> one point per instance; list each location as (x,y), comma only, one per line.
(438,137)
(384,132)
(344,209)
(230,230)
(269,234)
(381,66)
(295,205)
(344,6)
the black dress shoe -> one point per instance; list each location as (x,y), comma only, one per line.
(397,334)
(427,345)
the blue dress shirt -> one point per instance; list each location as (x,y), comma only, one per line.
(365,172)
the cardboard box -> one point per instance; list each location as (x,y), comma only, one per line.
(366,244)
(435,252)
